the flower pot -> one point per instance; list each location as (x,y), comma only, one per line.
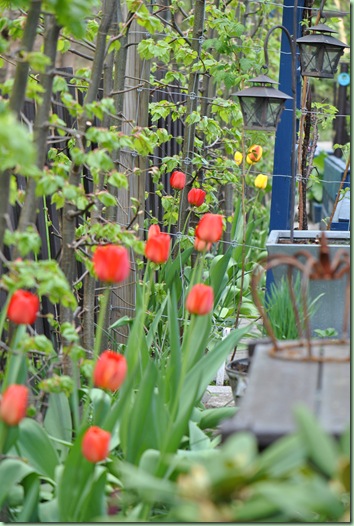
(330,306)
(237,372)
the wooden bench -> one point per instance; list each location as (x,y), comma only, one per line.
(275,386)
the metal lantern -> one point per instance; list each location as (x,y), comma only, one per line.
(320,52)
(261,104)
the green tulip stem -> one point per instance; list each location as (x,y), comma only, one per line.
(15,358)
(3,314)
(186,222)
(3,436)
(100,322)
(75,397)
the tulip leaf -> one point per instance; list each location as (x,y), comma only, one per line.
(101,402)
(35,446)
(75,478)
(92,505)
(57,422)
(217,274)
(12,471)
(174,266)
(197,439)
(204,371)
(320,446)
(302,499)
(282,456)
(29,512)
(174,370)
(48,511)
(195,340)
(144,422)
(124,320)
(211,418)
(155,323)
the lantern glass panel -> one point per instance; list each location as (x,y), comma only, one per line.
(261,113)
(319,61)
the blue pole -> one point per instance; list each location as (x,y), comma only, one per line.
(280,211)
(281,203)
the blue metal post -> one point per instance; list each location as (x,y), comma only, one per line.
(281,186)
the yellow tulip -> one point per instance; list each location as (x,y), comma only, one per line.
(261,181)
(238,158)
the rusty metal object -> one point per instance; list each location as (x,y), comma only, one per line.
(307,348)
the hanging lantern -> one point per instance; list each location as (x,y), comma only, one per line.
(320,52)
(261,104)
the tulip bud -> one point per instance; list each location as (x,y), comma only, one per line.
(200,300)
(196,197)
(261,181)
(238,158)
(13,404)
(23,307)
(110,370)
(111,263)
(157,248)
(95,444)
(210,228)
(254,154)
(178,180)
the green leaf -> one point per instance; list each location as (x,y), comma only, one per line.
(320,447)
(302,499)
(197,439)
(29,512)
(13,471)
(150,488)
(121,322)
(154,326)
(107,199)
(281,457)
(35,446)
(173,268)
(74,481)
(144,422)
(101,405)
(38,61)
(48,511)
(57,422)
(211,418)
(119,180)
(217,274)
(204,371)
(93,505)
(175,363)
(16,147)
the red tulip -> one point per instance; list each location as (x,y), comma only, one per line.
(210,228)
(111,263)
(110,370)
(201,245)
(200,300)
(23,307)
(178,180)
(95,444)
(154,230)
(157,248)
(196,197)
(13,404)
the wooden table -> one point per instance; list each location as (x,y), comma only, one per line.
(275,386)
